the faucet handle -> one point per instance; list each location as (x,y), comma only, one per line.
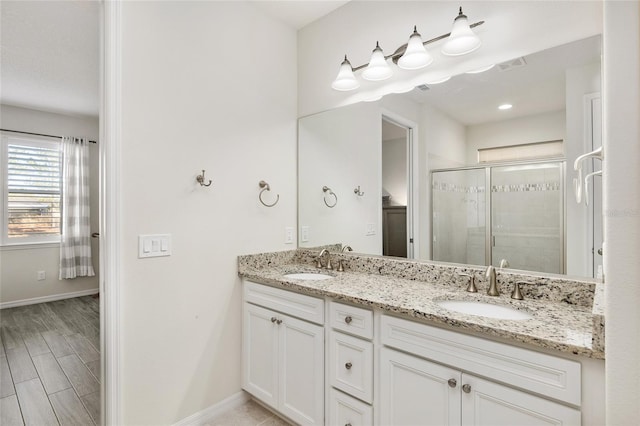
(319,262)
(517,294)
(471,288)
(329,265)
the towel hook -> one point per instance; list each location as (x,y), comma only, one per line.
(326,189)
(577,166)
(200,180)
(265,187)
(358,192)
(586,184)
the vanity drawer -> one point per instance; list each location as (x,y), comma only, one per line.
(351,365)
(554,377)
(352,320)
(345,410)
(295,304)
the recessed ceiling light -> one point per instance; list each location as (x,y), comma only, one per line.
(505,106)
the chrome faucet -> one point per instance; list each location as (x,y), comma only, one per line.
(493,284)
(504,263)
(319,259)
(346,248)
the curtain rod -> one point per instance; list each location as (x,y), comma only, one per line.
(36,134)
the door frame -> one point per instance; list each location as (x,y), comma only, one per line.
(413,188)
(110,203)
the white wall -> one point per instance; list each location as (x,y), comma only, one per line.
(394,170)
(516,131)
(19,265)
(341,149)
(205,85)
(622,209)
(579,82)
(511,29)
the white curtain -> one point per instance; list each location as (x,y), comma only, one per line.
(75,243)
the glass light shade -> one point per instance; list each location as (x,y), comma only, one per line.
(416,56)
(345,80)
(461,40)
(378,69)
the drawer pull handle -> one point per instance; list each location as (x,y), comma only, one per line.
(348,424)
(279,321)
(348,319)
(348,366)
(466,388)
(273,319)
(452,383)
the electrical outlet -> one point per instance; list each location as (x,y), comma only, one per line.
(288,235)
(41,276)
(371,229)
(304,234)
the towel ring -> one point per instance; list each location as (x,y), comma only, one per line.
(326,189)
(265,187)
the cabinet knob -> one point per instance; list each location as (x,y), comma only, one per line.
(279,321)
(273,319)
(348,319)
(466,388)
(452,383)
(347,424)
(348,366)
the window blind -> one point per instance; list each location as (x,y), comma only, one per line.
(33,189)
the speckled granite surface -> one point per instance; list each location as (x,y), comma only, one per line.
(565,316)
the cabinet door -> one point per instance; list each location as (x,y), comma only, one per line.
(414,391)
(492,404)
(260,354)
(301,371)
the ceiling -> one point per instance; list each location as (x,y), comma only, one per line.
(536,87)
(49,50)
(49,55)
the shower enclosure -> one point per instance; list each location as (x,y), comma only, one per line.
(521,219)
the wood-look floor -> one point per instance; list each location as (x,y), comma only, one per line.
(50,363)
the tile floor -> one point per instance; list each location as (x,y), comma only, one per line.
(249,414)
(50,363)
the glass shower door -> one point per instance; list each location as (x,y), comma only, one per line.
(527,216)
(458,216)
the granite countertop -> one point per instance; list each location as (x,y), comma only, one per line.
(556,325)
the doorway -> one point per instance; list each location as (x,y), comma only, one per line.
(397,188)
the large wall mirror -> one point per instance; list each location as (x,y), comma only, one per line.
(442,173)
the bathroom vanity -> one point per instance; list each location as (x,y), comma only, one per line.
(378,344)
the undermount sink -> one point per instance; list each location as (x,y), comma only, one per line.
(484,309)
(311,276)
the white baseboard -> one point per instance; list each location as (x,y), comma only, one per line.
(51,298)
(215,411)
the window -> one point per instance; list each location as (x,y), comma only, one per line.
(30,190)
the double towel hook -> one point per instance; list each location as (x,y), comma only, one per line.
(200,180)
(577,166)
(326,189)
(265,187)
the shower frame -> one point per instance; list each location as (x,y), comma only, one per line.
(489,238)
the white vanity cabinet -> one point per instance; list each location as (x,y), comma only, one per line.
(283,351)
(434,383)
(350,365)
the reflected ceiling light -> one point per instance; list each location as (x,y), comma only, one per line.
(505,107)
(345,80)
(461,40)
(440,80)
(479,70)
(415,56)
(410,56)
(378,69)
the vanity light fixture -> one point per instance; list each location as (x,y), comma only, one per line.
(504,107)
(411,56)
(461,40)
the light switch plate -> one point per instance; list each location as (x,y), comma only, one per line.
(304,234)
(288,235)
(154,245)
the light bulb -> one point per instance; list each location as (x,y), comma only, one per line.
(415,56)
(345,80)
(461,40)
(378,69)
